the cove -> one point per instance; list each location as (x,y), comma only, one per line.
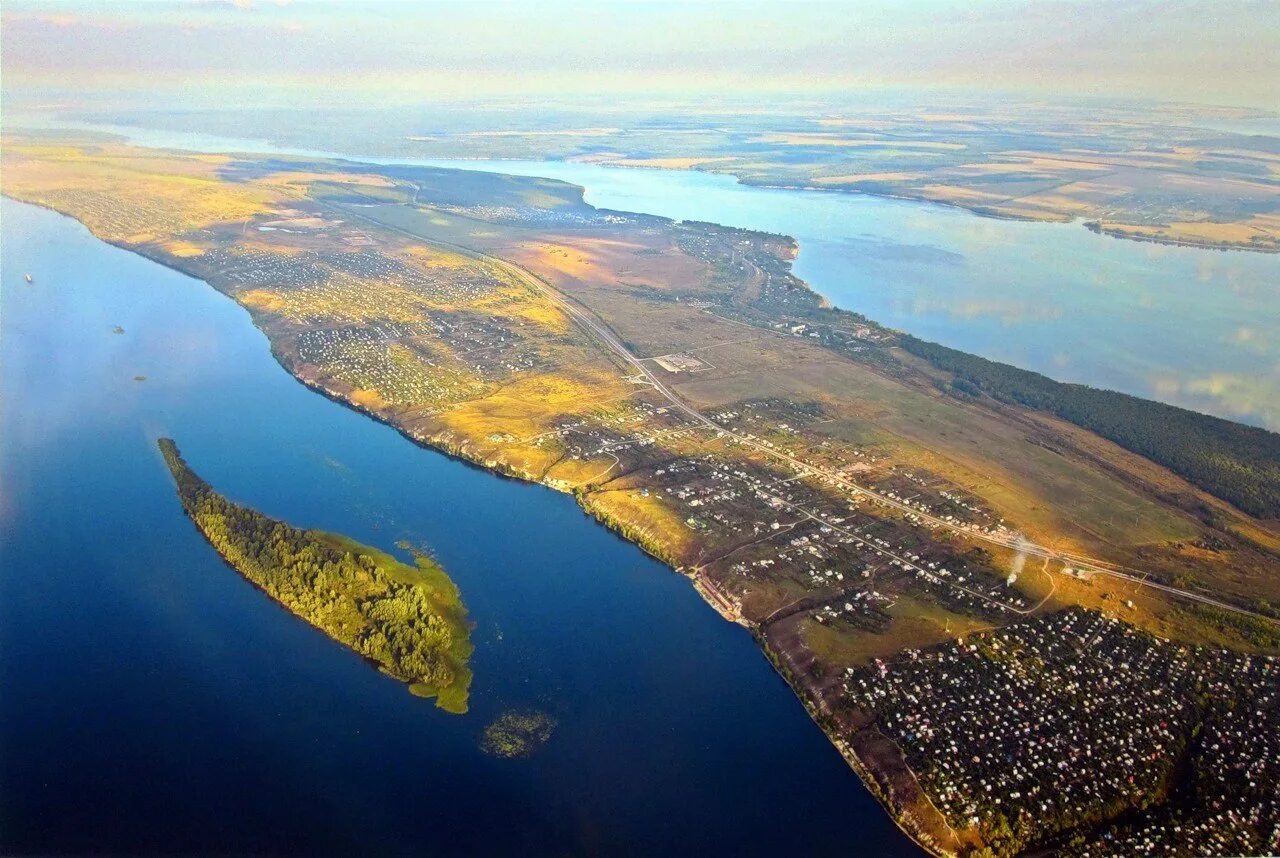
(154,701)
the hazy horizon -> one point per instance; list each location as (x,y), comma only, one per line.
(281,53)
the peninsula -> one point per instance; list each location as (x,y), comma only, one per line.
(1164,173)
(974,578)
(407,621)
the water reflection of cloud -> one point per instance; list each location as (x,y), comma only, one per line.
(1252,398)
(881,250)
(1249,285)
(1007,312)
(1205,272)
(1253,339)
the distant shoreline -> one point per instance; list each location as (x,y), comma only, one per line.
(589,160)
(976,210)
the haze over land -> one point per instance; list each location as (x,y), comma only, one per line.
(1150,121)
(286,52)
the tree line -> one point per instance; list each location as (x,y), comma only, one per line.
(1235,462)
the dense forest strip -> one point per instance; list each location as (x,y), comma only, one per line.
(408,621)
(1238,463)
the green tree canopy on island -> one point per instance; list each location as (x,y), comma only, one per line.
(408,621)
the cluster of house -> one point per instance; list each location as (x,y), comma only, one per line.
(241,268)
(968,590)
(865,609)
(1232,805)
(767,423)
(630,430)
(782,523)
(417,344)
(731,252)
(365,359)
(447,284)
(117,216)
(303,268)
(1073,718)
(801,532)
(725,250)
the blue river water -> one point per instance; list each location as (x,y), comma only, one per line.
(1192,327)
(152,701)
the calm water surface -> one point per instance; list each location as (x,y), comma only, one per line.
(153,701)
(1196,328)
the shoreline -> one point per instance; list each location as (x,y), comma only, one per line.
(976,211)
(863,770)
(860,768)
(1119,233)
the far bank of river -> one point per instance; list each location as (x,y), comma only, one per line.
(1192,327)
(1187,326)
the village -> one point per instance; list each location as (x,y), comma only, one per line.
(1045,727)
(757,521)
(1068,720)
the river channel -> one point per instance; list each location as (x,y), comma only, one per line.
(153,701)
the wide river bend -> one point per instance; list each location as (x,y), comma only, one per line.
(153,701)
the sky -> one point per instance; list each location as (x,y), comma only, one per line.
(311,51)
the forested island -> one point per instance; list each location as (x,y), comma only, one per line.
(408,621)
